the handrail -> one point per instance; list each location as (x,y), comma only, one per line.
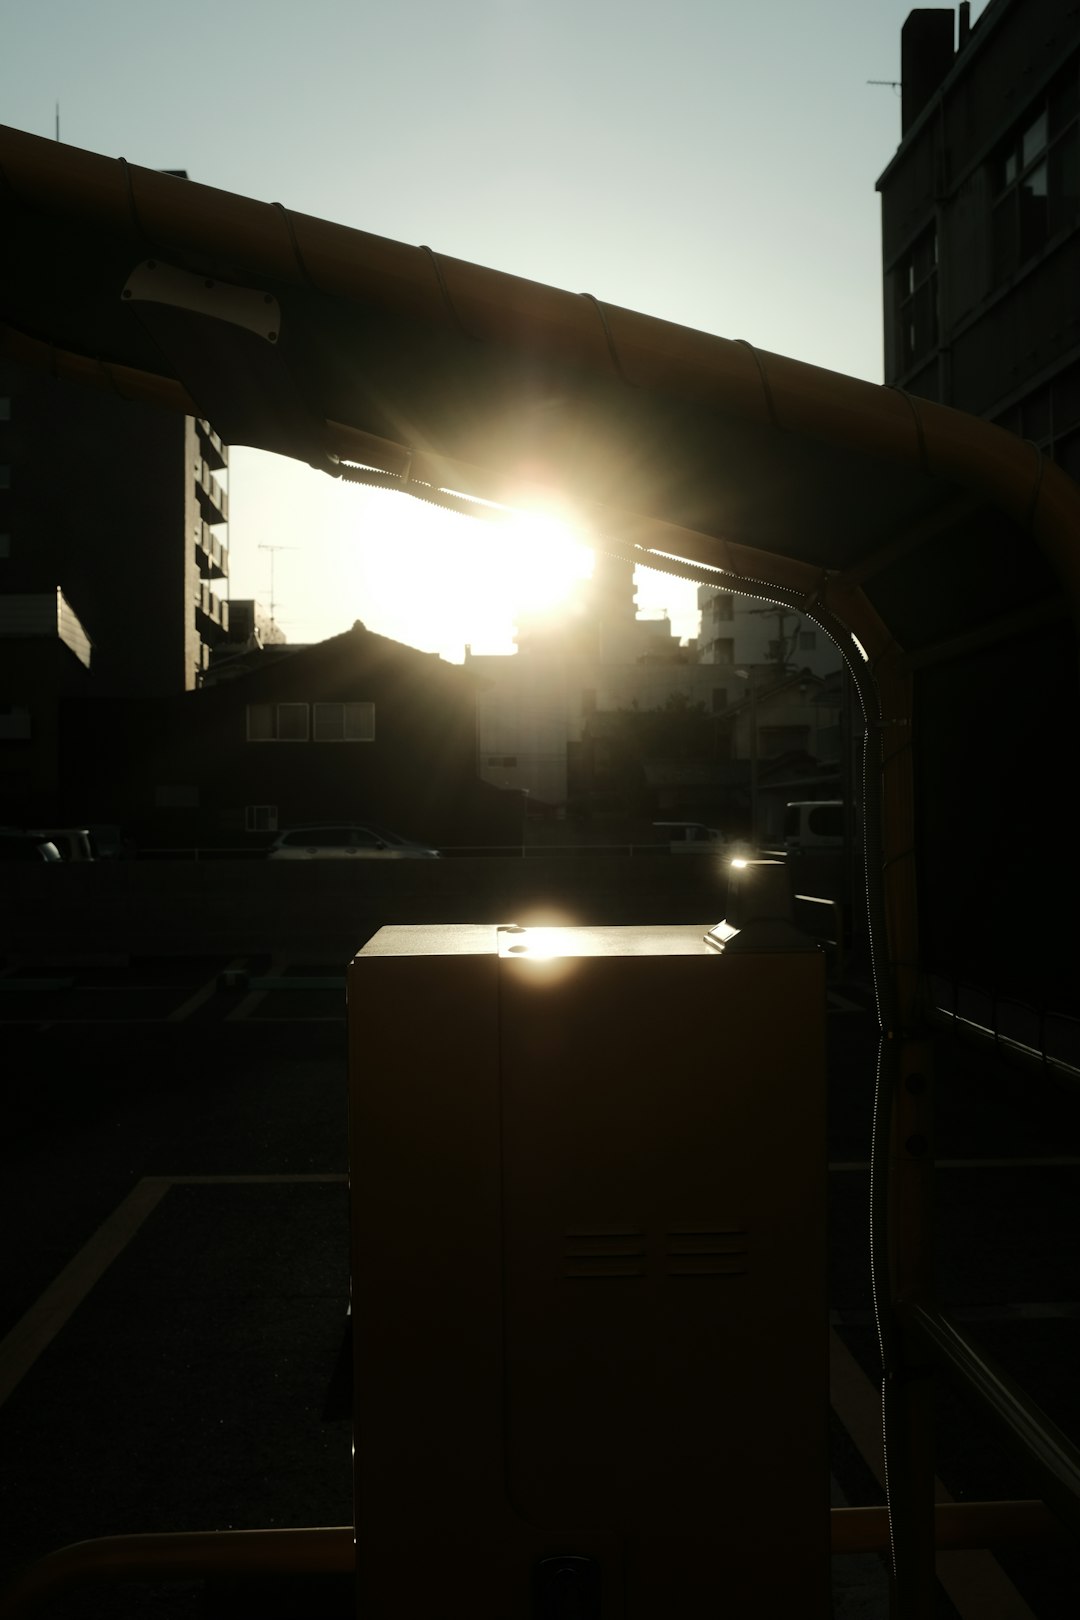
(1053,1456)
(187,1555)
(958,1526)
(330,1550)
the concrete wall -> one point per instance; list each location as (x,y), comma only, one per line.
(324,910)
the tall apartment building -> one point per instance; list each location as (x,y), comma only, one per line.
(981,219)
(122,508)
(740,631)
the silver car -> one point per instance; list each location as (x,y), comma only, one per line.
(339,840)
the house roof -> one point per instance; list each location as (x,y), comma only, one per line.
(357,642)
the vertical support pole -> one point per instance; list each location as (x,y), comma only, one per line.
(903,1167)
(909,1379)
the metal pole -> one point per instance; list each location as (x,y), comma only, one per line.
(753,764)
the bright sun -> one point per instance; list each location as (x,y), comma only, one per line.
(542,558)
(438,581)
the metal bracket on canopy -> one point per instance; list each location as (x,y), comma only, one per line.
(152,282)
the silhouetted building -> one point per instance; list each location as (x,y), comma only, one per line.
(981,220)
(121,507)
(354,728)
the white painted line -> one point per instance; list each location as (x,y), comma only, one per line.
(204,993)
(43,1321)
(243,1010)
(54,1308)
(976,1583)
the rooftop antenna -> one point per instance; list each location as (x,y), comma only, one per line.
(58,120)
(271,550)
(893,84)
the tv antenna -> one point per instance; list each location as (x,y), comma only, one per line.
(271,550)
(893,84)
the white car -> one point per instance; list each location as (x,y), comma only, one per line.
(690,837)
(340,840)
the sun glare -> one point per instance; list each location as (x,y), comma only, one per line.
(543,560)
(440,581)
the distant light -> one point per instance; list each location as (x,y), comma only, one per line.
(860,649)
(740,863)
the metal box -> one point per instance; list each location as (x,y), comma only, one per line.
(588,1239)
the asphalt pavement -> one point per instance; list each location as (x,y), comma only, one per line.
(175,1255)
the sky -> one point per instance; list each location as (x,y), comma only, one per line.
(711,162)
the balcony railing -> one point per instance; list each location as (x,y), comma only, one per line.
(211,551)
(213,499)
(216,453)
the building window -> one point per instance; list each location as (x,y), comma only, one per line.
(344,722)
(723,650)
(723,607)
(277,722)
(1035,175)
(917,300)
(260,818)
(1050,417)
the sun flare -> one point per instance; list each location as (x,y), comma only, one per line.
(441,581)
(543,560)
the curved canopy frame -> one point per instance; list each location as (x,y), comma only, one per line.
(949,549)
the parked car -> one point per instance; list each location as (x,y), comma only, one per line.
(813,824)
(690,837)
(340,840)
(72,842)
(16,845)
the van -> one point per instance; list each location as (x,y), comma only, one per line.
(814,824)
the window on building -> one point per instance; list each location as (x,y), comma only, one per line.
(277,722)
(1050,417)
(1035,174)
(260,818)
(723,607)
(723,650)
(916,283)
(344,722)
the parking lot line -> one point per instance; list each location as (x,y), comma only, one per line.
(45,1318)
(203,994)
(244,1009)
(43,1321)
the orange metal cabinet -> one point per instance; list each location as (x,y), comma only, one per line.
(588,1207)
